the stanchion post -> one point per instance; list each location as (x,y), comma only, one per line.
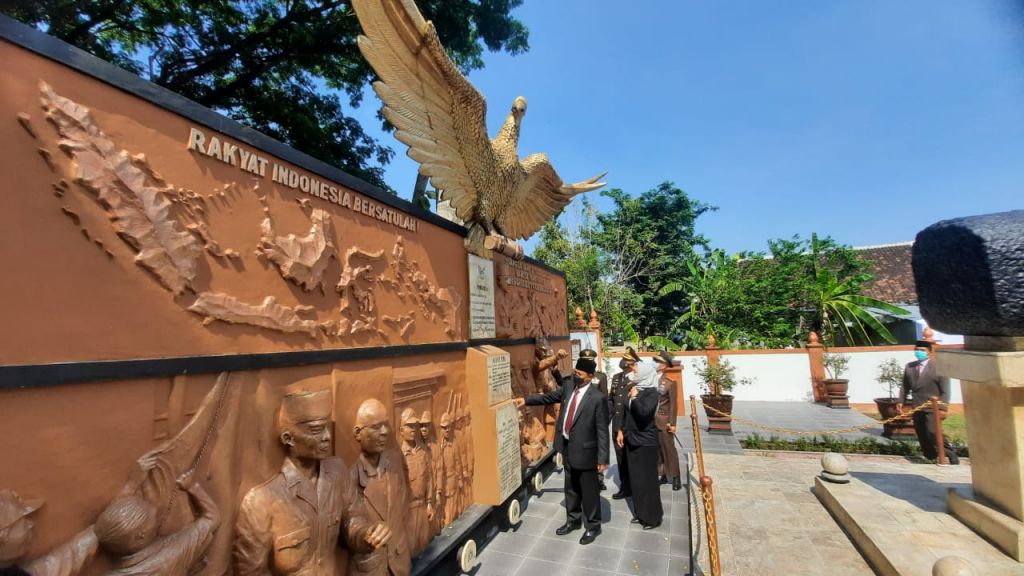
(696,435)
(939,438)
(709,519)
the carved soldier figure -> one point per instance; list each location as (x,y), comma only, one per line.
(465,470)
(452,467)
(547,362)
(127,530)
(421,482)
(467,459)
(384,487)
(437,467)
(290,525)
(16,529)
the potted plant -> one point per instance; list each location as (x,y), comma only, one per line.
(716,380)
(890,376)
(835,385)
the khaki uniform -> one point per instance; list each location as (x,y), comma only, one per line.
(288,527)
(666,415)
(421,492)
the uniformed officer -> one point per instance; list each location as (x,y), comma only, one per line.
(666,420)
(617,401)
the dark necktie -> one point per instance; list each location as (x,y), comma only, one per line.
(572,412)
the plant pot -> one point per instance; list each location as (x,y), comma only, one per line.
(837,387)
(887,407)
(836,391)
(718,410)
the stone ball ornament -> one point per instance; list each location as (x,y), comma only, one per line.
(953,566)
(969,274)
(835,468)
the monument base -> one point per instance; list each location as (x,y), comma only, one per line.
(1006,532)
(842,402)
(717,425)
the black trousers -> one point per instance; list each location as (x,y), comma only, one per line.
(924,425)
(643,477)
(582,497)
(623,463)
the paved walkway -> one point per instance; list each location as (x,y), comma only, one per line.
(533,549)
(802,416)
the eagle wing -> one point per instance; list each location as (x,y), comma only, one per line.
(434,108)
(540,196)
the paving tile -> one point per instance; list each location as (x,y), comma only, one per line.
(512,543)
(534,525)
(494,563)
(554,549)
(597,557)
(643,564)
(649,541)
(534,567)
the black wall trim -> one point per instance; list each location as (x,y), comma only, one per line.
(68,55)
(40,375)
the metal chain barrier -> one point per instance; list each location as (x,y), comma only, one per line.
(709,517)
(782,430)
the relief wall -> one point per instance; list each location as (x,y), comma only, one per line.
(131,233)
(126,216)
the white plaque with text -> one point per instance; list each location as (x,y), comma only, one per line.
(510,472)
(481,297)
(499,378)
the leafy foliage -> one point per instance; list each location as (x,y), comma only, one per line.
(836,364)
(890,375)
(867,445)
(280,67)
(715,379)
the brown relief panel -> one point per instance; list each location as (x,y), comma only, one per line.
(530,301)
(198,460)
(131,232)
(532,374)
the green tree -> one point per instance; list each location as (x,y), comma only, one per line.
(595,279)
(653,236)
(285,68)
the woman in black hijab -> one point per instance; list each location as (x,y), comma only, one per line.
(639,436)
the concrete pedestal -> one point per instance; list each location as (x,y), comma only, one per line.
(993,391)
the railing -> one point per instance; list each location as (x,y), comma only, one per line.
(707,495)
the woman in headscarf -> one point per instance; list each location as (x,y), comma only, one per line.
(639,436)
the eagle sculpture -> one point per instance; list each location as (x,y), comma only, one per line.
(442,118)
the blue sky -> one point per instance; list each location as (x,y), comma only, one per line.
(866,120)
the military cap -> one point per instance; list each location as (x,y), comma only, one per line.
(631,355)
(305,406)
(588,353)
(663,357)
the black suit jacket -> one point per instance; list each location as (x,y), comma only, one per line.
(588,437)
(641,425)
(922,388)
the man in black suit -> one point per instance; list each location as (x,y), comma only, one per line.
(921,382)
(581,437)
(600,379)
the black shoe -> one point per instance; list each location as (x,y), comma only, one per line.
(603,487)
(589,536)
(636,521)
(663,480)
(566,528)
(652,526)
(677,484)
(620,495)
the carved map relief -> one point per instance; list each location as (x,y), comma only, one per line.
(175,233)
(301,260)
(137,204)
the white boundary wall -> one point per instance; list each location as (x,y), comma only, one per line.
(786,377)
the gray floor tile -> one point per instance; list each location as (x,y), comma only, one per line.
(534,567)
(679,545)
(534,525)
(512,543)
(654,541)
(678,566)
(597,557)
(494,563)
(554,549)
(642,564)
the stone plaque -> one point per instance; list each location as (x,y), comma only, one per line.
(510,473)
(481,297)
(499,378)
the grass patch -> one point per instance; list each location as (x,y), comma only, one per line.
(842,446)
(954,427)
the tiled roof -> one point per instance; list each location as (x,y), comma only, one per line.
(894,278)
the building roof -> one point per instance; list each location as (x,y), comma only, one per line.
(894,278)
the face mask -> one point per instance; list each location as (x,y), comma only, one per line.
(921,354)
